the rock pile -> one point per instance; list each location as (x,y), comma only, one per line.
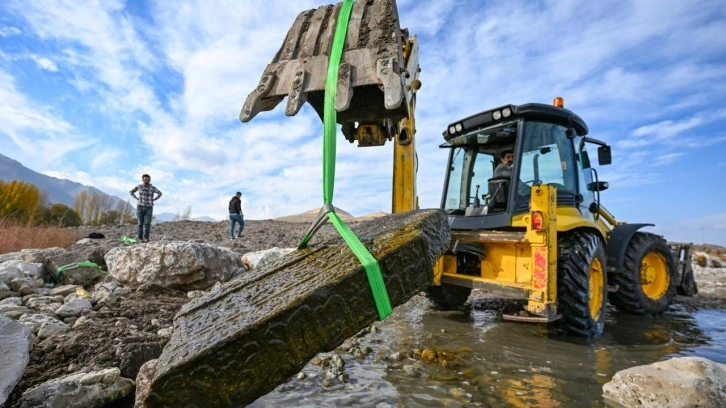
(48,308)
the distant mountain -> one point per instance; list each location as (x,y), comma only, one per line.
(312,215)
(204,218)
(372,216)
(167,216)
(58,191)
(163,217)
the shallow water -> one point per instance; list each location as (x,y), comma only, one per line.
(485,361)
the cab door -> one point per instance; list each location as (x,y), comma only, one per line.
(586,198)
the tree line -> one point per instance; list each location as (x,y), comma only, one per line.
(23,202)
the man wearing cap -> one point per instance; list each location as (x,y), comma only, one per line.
(235,215)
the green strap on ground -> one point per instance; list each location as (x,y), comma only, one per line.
(128,240)
(370,264)
(82,264)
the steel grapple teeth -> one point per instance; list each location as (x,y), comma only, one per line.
(371,82)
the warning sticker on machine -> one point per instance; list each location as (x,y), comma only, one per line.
(539,274)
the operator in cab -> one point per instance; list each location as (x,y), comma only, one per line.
(504,168)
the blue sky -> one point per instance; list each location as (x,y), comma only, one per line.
(101,92)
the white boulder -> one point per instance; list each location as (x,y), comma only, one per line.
(252,260)
(178,265)
(15,345)
(678,382)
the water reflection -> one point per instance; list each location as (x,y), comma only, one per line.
(424,357)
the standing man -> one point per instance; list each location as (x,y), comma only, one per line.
(235,215)
(145,207)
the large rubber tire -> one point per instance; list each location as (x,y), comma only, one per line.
(448,296)
(582,283)
(648,280)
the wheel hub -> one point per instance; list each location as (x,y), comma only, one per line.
(654,277)
(648,275)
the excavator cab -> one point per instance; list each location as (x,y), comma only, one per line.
(473,188)
(548,145)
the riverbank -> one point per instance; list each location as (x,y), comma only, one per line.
(135,326)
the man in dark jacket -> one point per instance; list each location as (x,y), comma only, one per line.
(235,215)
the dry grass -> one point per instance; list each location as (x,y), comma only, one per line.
(14,237)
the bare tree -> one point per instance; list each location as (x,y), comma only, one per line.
(96,208)
(80,205)
(125,210)
(185,214)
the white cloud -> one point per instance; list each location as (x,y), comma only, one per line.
(22,118)
(667,158)
(45,63)
(9,31)
(675,132)
(160,88)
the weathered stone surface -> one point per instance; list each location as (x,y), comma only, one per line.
(44,304)
(178,265)
(74,307)
(252,260)
(9,272)
(15,345)
(63,290)
(233,345)
(678,382)
(35,321)
(74,274)
(35,263)
(15,301)
(59,256)
(80,390)
(13,311)
(18,283)
(31,270)
(143,380)
(5,291)
(51,328)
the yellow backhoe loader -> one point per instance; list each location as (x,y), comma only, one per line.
(538,229)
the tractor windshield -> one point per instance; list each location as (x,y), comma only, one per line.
(476,186)
(546,158)
(473,160)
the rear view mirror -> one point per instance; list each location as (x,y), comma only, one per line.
(598,186)
(604,156)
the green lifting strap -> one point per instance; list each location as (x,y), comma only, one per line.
(82,264)
(128,240)
(370,264)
